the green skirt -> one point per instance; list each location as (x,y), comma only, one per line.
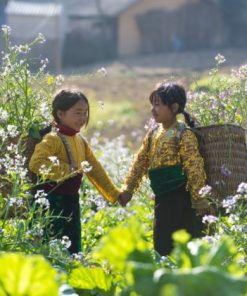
(166,179)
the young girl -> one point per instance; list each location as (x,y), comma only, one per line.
(169,155)
(71,112)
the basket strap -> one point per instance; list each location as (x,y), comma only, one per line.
(68,151)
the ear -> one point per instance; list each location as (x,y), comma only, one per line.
(175,108)
(59,114)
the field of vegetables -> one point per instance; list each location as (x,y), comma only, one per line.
(117,257)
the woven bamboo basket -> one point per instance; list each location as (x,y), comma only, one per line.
(223,148)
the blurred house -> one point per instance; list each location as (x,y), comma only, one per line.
(158,26)
(28,19)
(104,29)
(110,28)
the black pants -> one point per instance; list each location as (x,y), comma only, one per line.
(68,224)
(173,211)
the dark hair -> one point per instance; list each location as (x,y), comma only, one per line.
(171,93)
(66,99)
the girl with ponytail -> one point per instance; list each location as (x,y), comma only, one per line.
(170,157)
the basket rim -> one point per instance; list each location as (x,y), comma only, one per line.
(221,125)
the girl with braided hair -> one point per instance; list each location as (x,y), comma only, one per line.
(169,155)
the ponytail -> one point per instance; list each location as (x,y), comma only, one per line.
(188,119)
(45,130)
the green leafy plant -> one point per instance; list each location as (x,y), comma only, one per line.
(22,275)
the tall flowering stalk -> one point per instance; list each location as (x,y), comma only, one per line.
(225,99)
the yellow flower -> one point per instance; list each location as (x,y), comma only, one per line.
(50,80)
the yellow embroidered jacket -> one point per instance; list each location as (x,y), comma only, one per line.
(165,148)
(51,145)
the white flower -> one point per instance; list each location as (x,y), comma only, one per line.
(15,201)
(44,109)
(59,79)
(193,247)
(36,231)
(44,171)
(44,62)
(66,242)
(54,160)
(40,194)
(205,191)
(121,212)
(86,167)
(3,115)
(209,219)
(40,39)
(242,188)
(100,230)
(6,29)
(102,71)
(55,245)
(220,59)
(12,130)
(210,239)
(77,256)
(43,202)
(23,48)
(229,203)
(233,219)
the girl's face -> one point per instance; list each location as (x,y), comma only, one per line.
(75,117)
(163,113)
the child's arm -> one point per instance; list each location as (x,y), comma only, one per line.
(98,177)
(194,167)
(50,146)
(139,167)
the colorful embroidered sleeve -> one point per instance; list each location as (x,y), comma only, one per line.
(194,167)
(44,152)
(139,167)
(99,178)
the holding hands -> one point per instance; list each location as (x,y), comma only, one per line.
(124,198)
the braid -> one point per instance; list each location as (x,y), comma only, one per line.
(188,119)
(45,130)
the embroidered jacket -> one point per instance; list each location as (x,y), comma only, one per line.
(52,145)
(166,148)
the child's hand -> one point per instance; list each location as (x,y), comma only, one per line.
(124,198)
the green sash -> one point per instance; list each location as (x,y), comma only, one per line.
(166,179)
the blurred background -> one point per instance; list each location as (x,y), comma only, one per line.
(117,50)
(85,31)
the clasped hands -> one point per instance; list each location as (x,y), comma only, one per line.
(124,198)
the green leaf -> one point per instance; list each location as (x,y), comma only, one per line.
(203,281)
(27,276)
(90,279)
(120,243)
